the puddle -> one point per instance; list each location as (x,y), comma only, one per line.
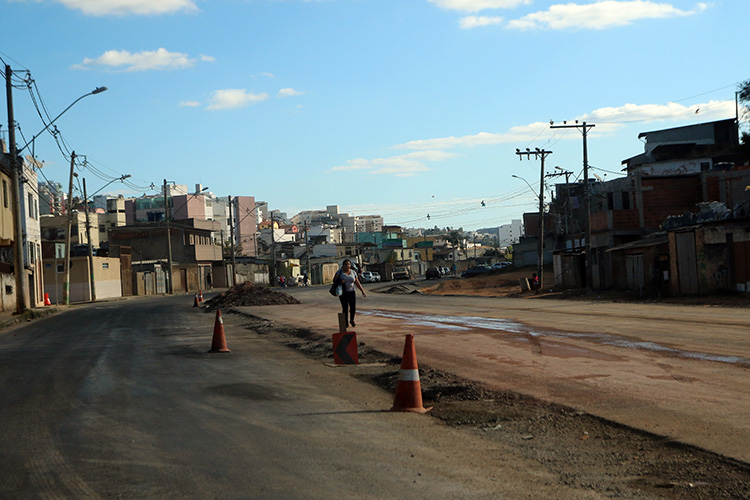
(516,331)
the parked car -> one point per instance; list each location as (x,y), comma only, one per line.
(401,273)
(444,271)
(432,272)
(367,277)
(501,265)
(476,271)
(376,277)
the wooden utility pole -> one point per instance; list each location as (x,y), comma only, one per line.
(540,154)
(21,283)
(586,193)
(170,290)
(231,241)
(68,242)
(92,281)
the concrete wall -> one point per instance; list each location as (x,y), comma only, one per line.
(7,300)
(106,279)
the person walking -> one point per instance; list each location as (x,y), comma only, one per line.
(348,280)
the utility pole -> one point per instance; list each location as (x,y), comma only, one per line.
(88,237)
(586,193)
(21,283)
(272,273)
(307,248)
(170,290)
(539,154)
(66,281)
(231,241)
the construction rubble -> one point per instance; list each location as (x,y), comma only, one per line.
(247,294)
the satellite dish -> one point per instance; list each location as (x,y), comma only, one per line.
(34,162)
(600,179)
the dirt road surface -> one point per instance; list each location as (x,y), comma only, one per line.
(674,371)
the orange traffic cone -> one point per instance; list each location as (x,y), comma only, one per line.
(46,300)
(195,302)
(200,296)
(409,390)
(219,343)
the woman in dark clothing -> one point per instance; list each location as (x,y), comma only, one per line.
(348,280)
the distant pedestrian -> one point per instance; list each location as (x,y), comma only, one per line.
(305,280)
(535,283)
(348,279)
(453,269)
(208,281)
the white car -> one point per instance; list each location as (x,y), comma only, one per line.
(376,277)
(367,277)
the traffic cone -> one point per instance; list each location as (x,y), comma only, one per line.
(219,343)
(46,300)
(200,296)
(195,302)
(409,390)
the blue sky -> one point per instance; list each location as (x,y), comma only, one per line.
(402,108)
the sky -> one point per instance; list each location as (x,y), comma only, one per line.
(409,109)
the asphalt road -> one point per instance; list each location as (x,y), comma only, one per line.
(682,372)
(121,400)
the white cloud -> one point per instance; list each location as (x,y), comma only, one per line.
(607,120)
(480,139)
(146,60)
(401,166)
(268,75)
(288,92)
(190,104)
(233,99)
(600,15)
(125,7)
(469,22)
(702,112)
(207,58)
(477,5)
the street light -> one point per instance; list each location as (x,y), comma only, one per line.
(527,183)
(97,90)
(22,286)
(540,257)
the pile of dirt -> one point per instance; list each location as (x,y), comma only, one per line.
(402,288)
(247,294)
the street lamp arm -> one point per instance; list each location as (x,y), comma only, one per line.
(248,213)
(527,183)
(121,179)
(174,209)
(97,90)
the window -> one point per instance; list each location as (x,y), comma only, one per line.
(30,207)
(5,193)
(625,201)
(102,228)
(105,265)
